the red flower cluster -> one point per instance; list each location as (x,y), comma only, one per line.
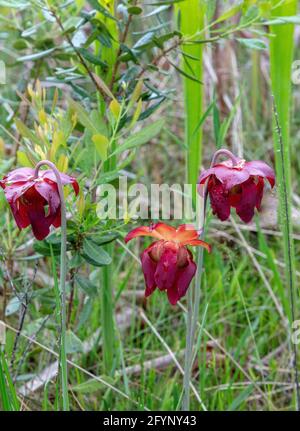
(29,198)
(167,263)
(239,185)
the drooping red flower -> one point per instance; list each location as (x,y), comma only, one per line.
(35,201)
(167,263)
(239,185)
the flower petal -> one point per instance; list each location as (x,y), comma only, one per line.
(205,174)
(185,233)
(166,231)
(260,168)
(185,276)
(166,269)
(219,200)
(183,279)
(49,192)
(65,179)
(246,205)
(199,242)
(38,220)
(230,177)
(260,192)
(15,191)
(173,295)
(18,175)
(142,231)
(56,218)
(148,267)
(20,214)
(158,230)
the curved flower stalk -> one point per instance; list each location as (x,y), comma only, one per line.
(167,263)
(28,192)
(235,183)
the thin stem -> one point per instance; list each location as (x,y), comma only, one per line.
(62,282)
(80,57)
(193,311)
(194,303)
(71,298)
(291,280)
(224,152)
(122,40)
(188,353)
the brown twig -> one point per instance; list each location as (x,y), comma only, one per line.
(156,60)
(24,306)
(123,39)
(81,59)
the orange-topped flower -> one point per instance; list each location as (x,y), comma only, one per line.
(167,263)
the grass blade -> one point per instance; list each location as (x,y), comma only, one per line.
(191,21)
(281,56)
(191,14)
(8,394)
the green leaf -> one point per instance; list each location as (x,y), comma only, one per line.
(228,14)
(103,86)
(241,398)
(204,116)
(26,132)
(95,254)
(14,4)
(145,41)
(85,312)
(252,43)
(134,10)
(185,74)
(156,11)
(86,285)
(90,386)
(210,9)
(105,239)
(36,56)
(12,306)
(165,2)
(87,55)
(44,248)
(101,144)
(149,111)
(283,20)
(8,393)
(142,137)
(93,122)
(107,177)
(20,44)
(73,343)
(95,4)
(252,14)
(76,261)
(160,40)
(23,159)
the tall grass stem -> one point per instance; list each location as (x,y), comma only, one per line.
(288,240)
(281,57)
(62,284)
(191,18)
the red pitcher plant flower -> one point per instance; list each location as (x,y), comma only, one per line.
(34,198)
(167,263)
(235,183)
